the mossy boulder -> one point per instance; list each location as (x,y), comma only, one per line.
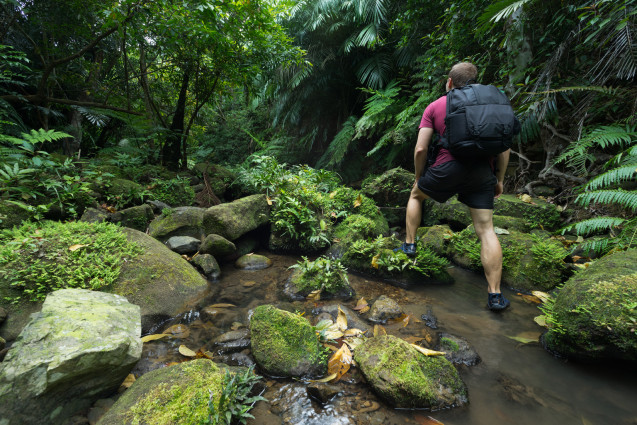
(538,213)
(175,394)
(78,349)
(593,316)
(137,217)
(358,227)
(208,265)
(253,262)
(390,191)
(453,212)
(378,258)
(350,201)
(95,215)
(125,192)
(180,221)
(405,378)
(285,344)
(325,275)
(11,215)
(160,281)
(530,262)
(234,219)
(218,246)
(435,237)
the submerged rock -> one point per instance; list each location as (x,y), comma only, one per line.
(79,348)
(405,378)
(175,394)
(593,314)
(285,344)
(253,262)
(208,266)
(322,392)
(383,309)
(458,350)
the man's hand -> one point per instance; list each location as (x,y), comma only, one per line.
(499,188)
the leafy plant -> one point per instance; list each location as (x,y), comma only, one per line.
(36,259)
(175,192)
(321,274)
(235,400)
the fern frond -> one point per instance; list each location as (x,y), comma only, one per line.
(337,149)
(41,135)
(594,225)
(624,198)
(599,89)
(613,177)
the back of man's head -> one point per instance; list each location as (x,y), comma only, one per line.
(463,73)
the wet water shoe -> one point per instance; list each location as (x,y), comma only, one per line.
(497,302)
(407,248)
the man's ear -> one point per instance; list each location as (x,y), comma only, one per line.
(449,84)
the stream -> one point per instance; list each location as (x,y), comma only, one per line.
(515,383)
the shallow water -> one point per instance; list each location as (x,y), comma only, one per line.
(513,384)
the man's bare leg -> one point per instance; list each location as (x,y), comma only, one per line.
(414,213)
(490,249)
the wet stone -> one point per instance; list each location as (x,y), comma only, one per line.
(253,262)
(458,350)
(157,206)
(179,331)
(384,308)
(430,320)
(3,314)
(236,359)
(353,320)
(217,315)
(232,341)
(183,244)
(322,392)
(233,335)
(208,266)
(3,343)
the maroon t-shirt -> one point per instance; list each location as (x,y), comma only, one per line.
(434,117)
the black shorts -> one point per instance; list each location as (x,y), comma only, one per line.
(473,182)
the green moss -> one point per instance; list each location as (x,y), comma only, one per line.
(285,344)
(36,259)
(449,345)
(539,214)
(390,189)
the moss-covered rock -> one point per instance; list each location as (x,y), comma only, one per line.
(285,344)
(357,227)
(218,246)
(11,215)
(453,212)
(405,378)
(391,192)
(95,215)
(181,221)
(125,192)
(174,192)
(593,316)
(253,262)
(323,274)
(530,262)
(378,258)
(350,201)
(135,217)
(234,219)
(175,394)
(537,214)
(160,281)
(435,237)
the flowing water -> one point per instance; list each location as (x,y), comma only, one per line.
(514,383)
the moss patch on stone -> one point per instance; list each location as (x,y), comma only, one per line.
(539,214)
(183,221)
(170,395)
(594,315)
(285,344)
(406,378)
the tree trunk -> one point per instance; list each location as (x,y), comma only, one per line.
(171,151)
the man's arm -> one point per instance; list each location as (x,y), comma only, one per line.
(501,163)
(420,152)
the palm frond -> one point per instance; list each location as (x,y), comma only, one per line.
(613,177)
(374,71)
(624,198)
(339,146)
(594,225)
(499,11)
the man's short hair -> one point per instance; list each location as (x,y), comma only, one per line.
(463,73)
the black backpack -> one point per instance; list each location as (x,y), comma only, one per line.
(480,121)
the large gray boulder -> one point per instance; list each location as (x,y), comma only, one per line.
(390,191)
(406,378)
(136,217)
(234,219)
(285,344)
(79,348)
(181,221)
(159,280)
(593,317)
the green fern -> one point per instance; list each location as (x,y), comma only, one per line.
(623,198)
(337,149)
(614,176)
(594,225)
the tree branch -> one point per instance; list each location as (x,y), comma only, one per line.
(34,98)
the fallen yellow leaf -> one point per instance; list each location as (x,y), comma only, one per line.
(154,337)
(130,379)
(341,320)
(314,295)
(361,304)
(185,351)
(353,332)
(364,310)
(353,343)
(530,299)
(340,362)
(74,248)
(543,296)
(428,352)
(222,305)
(267,198)
(379,330)
(328,378)
(540,320)
(358,201)
(375,261)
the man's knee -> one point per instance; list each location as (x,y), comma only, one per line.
(418,194)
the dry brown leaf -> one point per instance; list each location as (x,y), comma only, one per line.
(340,362)
(185,351)
(364,310)
(314,295)
(360,304)
(154,337)
(179,331)
(74,248)
(530,299)
(428,352)
(130,379)
(353,332)
(222,305)
(341,320)
(379,330)
(328,378)
(543,296)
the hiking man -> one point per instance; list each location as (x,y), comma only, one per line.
(474,180)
